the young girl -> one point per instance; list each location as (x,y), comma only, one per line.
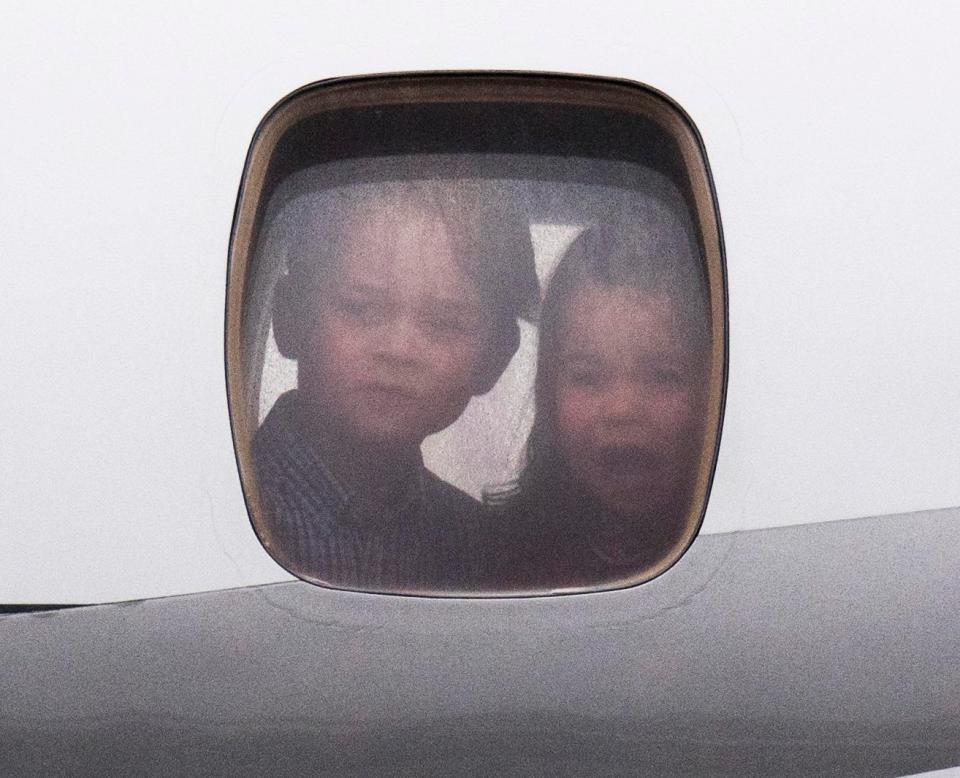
(617,432)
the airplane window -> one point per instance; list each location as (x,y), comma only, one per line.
(475,334)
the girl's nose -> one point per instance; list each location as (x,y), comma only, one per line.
(625,401)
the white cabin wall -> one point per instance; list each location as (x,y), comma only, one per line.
(832,139)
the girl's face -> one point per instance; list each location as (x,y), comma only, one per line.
(628,398)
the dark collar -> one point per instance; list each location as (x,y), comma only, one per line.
(336,491)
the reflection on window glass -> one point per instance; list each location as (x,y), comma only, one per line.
(477,374)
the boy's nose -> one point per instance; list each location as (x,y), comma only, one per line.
(401,340)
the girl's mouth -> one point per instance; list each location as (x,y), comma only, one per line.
(628,458)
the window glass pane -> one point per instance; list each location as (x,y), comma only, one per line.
(477,373)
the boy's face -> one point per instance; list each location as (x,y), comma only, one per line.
(395,333)
(628,398)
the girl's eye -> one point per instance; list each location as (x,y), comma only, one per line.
(668,376)
(584,378)
(658,373)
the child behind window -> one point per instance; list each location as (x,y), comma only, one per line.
(399,304)
(619,396)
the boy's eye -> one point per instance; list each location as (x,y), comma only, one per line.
(445,324)
(363,310)
(444,320)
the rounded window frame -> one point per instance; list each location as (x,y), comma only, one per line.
(478,88)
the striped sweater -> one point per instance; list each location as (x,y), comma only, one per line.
(428,542)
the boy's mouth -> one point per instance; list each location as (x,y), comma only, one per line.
(387,391)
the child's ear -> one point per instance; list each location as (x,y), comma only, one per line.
(498,356)
(287,322)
